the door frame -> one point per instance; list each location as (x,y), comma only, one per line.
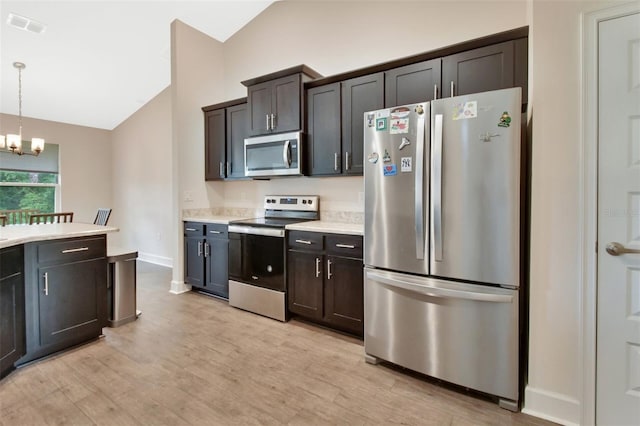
(588,194)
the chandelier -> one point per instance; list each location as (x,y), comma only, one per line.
(13,143)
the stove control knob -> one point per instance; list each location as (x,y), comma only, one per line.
(310,201)
(304,201)
(273,200)
(268,201)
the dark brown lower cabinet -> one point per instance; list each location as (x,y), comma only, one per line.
(65,294)
(12,321)
(206,257)
(325,279)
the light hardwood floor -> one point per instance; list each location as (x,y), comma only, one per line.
(192,359)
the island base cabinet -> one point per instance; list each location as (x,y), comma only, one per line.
(70,303)
(12,324)
(65,294)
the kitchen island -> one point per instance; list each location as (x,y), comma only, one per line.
(52,289)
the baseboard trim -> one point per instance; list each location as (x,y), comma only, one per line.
(155,259)
(179,287)
(551,406)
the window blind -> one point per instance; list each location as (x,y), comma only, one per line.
(46,162)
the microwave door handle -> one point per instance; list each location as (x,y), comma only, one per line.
(286,154)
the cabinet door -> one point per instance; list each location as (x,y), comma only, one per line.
(12,320)
(217,267)
(259,105)
(194,261)
(412,83)
(344,297)
(237,131)
(214,144)
(358,96)
(285,103)
(324,133)
(72,300)
(304,283)
(479,70)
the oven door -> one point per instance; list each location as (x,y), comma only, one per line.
(273,155)
(257,259)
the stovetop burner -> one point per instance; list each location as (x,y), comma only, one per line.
(270,221)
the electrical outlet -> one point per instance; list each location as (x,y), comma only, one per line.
(159,236)
(360,197)
(188,196)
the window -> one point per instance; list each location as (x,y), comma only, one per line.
(28,182)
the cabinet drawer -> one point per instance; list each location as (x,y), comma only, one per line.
(217,231)
(344,245)
(306,240)
(193,229)
(72,250)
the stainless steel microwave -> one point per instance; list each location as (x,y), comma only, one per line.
(273,155)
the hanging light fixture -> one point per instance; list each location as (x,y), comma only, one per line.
(13,142)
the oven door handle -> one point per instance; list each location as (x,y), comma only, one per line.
(257,230)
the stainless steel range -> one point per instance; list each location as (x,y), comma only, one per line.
(257,254)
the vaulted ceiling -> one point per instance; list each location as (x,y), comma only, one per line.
(98,62)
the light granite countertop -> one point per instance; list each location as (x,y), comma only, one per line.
(12,235)
(328,227)
(223,220)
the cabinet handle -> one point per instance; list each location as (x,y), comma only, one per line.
(46,283)
(215,232)
(349,246)
(452,89)
(199,248)
(221,169)
(346,161)
(75,250)
(273,121)
(268,122)
(303,242)
(435,91)
(317,267)
(329,263)
(190,229)
(228,169)
(335,161)
(207,251)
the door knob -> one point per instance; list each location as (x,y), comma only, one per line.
(616,249)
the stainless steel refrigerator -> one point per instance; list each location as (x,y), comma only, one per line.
(442,243)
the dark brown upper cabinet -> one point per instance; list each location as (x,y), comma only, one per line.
(214,146)
(479,70)
(275,101)
(324,140)
(225,128)
(359,95)
(413,83)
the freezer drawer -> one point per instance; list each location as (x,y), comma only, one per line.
(461,333)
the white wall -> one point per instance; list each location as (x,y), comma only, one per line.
(196,80)
(85,163)
(142,178)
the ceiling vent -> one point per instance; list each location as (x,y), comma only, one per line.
(27,24)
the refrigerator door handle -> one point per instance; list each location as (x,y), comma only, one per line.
(432,291)
(419,190)
(437,188)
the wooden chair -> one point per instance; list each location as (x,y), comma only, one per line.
(51,218)
(3,220)
(102,217)
(15,217)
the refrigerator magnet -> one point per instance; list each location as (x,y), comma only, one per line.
(386,158)
(463,111)
(371,120)
(400,112)
(373,157)
(405,164)
(505,120)
(381,124)
(399,126)
(389,170)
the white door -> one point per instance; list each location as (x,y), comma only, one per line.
(618,305)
